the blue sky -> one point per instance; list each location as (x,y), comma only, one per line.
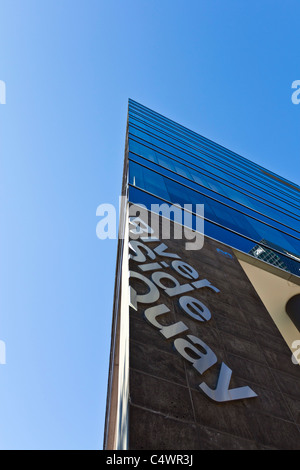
(223,69)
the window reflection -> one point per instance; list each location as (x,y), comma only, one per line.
(176,193)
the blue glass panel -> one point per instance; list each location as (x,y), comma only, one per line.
(156,135)
(178,194)
(234,179)
(201,180)
(145,179)
(147,119)
(242,200)
(141,149)
(221,234)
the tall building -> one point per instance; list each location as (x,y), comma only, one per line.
(205,329)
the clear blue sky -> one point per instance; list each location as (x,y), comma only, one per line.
(221,68)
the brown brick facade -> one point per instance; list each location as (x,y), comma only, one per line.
(167,409)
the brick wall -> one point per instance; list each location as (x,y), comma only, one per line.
(167,408)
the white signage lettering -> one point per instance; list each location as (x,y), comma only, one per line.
(193,349)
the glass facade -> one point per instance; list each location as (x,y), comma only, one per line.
(245,206)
